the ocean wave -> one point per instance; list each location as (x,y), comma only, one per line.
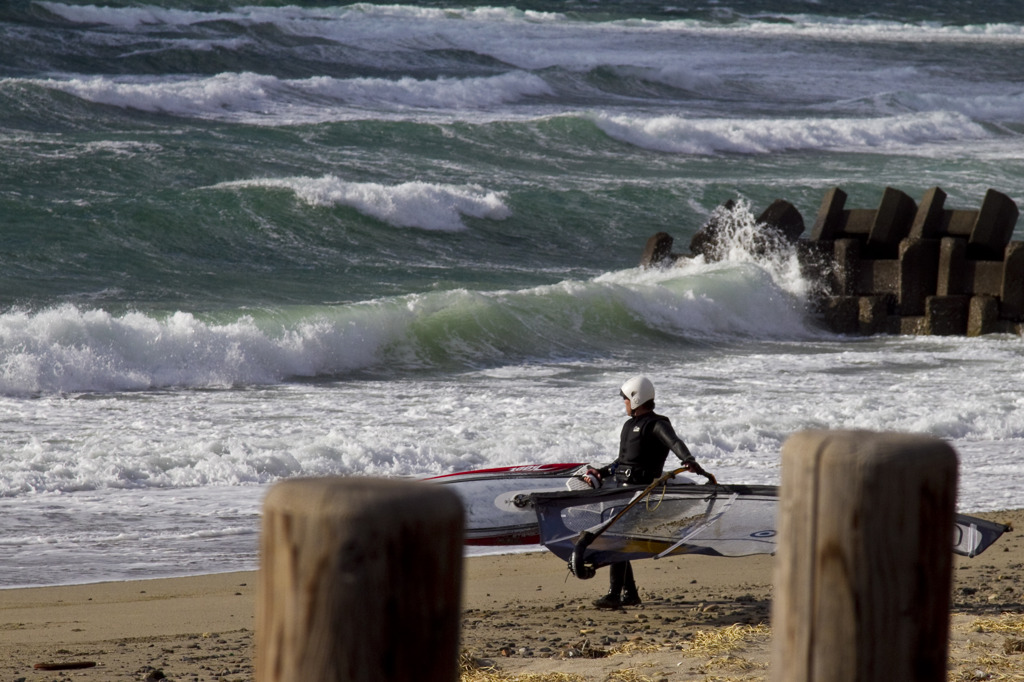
(314,19)
(845,29)
(267,100)
(444,60)
(683,135)
(134,18)
(428,206)
(1003,108)
(687,77)
(68,349)
(286,65)
(256,98)
(440,93)
(380,30)
(406,21)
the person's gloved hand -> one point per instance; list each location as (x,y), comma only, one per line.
(593,478)
(691,465)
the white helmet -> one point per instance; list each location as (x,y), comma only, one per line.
(638,391)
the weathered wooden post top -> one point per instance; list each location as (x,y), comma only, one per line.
(360,580)
(863,571)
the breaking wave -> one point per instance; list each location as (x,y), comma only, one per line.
(255,98)
(424,205)
(682,135)
(72,349)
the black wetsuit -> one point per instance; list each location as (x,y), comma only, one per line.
(643,448)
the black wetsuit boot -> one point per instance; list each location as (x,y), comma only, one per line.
(630,595)
(616,579)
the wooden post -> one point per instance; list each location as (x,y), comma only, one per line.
(360,580)
(864,564)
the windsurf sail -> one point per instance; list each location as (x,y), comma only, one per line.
(497,501)
(972,535)
(596,528)
(589,530)
(499,510)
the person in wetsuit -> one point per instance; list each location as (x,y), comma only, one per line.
(644,445)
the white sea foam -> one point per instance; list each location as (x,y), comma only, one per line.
(428,206)
(227,94)
(256,98)
(451,93)
(66,349)
(872,30)
(159,473)
(688,135)
(130,18)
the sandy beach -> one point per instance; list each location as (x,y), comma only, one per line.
(525,618)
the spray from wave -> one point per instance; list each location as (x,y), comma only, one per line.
(740,238)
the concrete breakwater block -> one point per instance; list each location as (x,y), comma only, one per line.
(903,267)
